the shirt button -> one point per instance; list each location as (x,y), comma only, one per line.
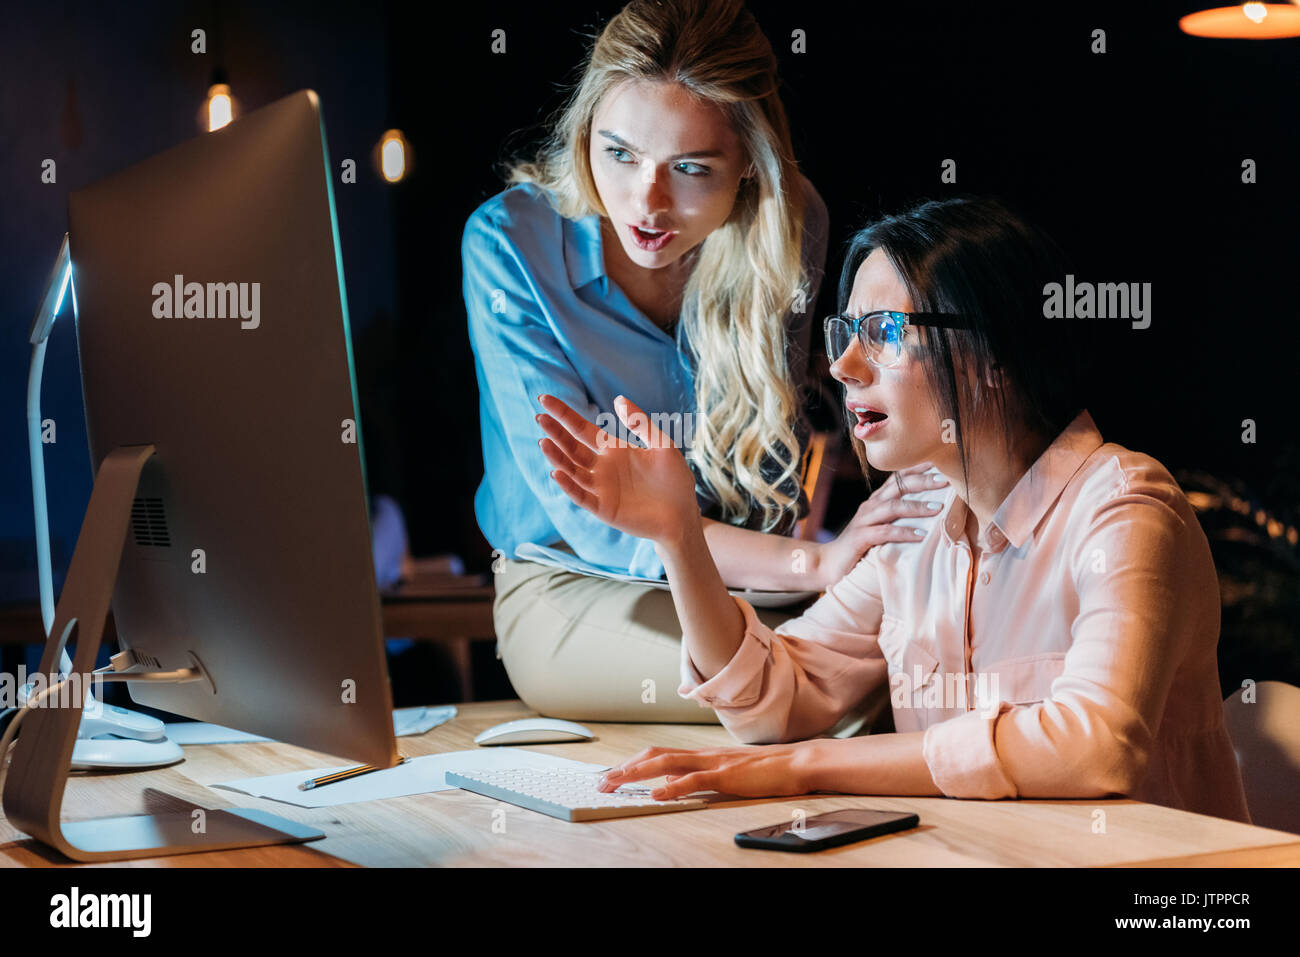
(984,577)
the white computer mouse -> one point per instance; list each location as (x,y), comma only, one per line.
(534,731)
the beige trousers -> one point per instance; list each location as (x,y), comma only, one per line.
(593,649)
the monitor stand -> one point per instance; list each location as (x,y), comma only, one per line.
(38,774)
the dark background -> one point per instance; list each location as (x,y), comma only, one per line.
(1131,159)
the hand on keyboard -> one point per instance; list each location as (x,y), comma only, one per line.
(569,795)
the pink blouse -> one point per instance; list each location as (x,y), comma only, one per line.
(1072,656)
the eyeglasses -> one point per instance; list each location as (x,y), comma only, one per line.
(881,332)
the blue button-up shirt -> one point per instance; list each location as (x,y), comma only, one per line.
(545,318)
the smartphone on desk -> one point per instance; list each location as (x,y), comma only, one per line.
(827,830)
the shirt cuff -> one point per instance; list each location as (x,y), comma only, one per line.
(739,683)
(963,758)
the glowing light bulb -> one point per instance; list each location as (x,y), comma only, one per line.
(1255,12)
(392,156)
(221,106)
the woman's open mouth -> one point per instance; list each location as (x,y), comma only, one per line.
(870,421)
(651,240)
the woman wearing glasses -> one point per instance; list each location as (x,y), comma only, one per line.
(1054,635)
(664,245)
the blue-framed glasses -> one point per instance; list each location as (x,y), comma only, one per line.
(882,332)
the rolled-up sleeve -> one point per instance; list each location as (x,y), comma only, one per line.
(519,357)
(796,682)
(1137,571)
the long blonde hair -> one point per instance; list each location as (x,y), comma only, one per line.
(748,272)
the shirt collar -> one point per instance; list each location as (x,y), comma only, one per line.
(582,252)
(1021,511)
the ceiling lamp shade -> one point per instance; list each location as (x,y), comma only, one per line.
(1249,21)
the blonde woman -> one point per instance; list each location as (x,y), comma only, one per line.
(663,245)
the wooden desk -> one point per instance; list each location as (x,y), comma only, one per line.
(454,610)
(456,827)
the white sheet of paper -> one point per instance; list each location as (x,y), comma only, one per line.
(406,721)
(200,732)
(417,776)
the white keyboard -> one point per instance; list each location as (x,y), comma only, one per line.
(567,794)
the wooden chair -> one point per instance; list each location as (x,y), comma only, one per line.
(821,459)
(1266,737)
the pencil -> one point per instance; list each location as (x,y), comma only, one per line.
(342,775)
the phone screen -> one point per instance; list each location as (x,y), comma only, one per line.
(837,822)
(832,824)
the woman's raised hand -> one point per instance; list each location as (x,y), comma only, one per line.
(647,492)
